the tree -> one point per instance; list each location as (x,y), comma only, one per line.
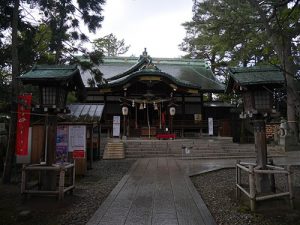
(244,33)
(218,32)
(110,45)
(14,93)
(282,25)
(63,18)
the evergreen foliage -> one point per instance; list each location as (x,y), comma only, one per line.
(110,45)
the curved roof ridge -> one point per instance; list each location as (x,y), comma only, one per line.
(155,73)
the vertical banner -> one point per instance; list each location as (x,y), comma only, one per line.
(62,139)
(24,107)
(116,126)
(77,140)
(210,126)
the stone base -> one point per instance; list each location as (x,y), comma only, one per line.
(289,143)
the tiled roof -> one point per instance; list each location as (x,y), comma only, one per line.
(186,72)
(257,75)
(56,75)
(253,76)
(53,72)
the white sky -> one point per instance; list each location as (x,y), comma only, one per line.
(152,24)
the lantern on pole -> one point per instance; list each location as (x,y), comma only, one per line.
(54,83)
(124,113)
(172,111)
(256,85)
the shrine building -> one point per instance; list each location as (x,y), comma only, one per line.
(160,95)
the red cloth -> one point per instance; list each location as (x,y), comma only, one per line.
(23,124)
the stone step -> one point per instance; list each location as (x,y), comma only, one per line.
(114,150)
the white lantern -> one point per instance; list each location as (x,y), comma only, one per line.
(141,106)
(172,110)
(125,110)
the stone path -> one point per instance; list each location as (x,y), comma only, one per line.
(156,191)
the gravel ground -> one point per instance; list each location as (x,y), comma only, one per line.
(91,190)
(218,191)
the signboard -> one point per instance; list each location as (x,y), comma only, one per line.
(210,126)
(23,123)
(78,154)
(116,126)
(62,139)
(197,118)
(77,139)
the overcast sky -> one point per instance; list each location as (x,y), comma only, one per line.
(151,24)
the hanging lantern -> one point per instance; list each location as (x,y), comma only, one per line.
(141,106)
(132,103)
(125,110)
(155,106)
(145,105)
(172,110)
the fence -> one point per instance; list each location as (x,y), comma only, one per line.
(253,171)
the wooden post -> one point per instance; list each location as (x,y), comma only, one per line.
(91,148)
(73,176)
(272,178)
(23,184)
(252,188)
(61,183)
(238,180)
(49,177)
(290,185)
(263,183)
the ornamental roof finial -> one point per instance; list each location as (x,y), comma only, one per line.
(145,52)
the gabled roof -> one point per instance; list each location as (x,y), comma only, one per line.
(50,73)
(256,75)
(190,73)
(55,75)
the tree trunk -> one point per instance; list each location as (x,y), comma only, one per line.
(292,97)
(14,93)
(281,42)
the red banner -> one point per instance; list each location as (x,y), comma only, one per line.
(23,124)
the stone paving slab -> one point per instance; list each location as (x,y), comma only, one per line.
(156,191)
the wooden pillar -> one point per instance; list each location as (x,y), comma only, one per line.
(49,177)
(182,115)
(51,140)
(23,184)
(91,158)
(238,180)
(252,188)
(61,184)
(262,180)
(290,185)
(202,112)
